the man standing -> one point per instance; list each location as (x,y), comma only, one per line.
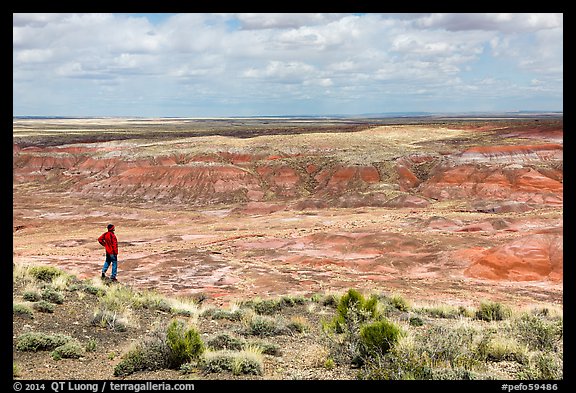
(109,241)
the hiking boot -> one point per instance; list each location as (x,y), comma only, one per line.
(114,279)
(103,276)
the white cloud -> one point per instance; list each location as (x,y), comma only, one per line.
(284,57)
(283,20)
(504,22)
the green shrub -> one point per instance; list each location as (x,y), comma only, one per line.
(225,341)
(243,362)
(150,354)
(31,296)
(353,305)
(94,290)
(493,311)
(399,303)
(22,310)
(416,321)
(52,296)
(265,307)
(35,341)
(43,306)
(71,350)
(44,273)
(501,349)
(170,348)
(217,361)
(379,337)
(91,345)
(231,315)
(538,333)
(184,342)
(263,325)
(409,366)
(247,365)
(343,331)
(329,364)
(395,365)
(291,301)
(454,346)
(443,311)
(542,366)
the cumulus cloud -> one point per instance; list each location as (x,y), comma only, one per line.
(504,22)
(247,64)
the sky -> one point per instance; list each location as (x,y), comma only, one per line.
(246,64)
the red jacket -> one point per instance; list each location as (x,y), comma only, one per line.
(108,240)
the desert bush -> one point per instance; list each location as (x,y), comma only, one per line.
(538,333)
(44,273)
(31,296)
(165,347)
(152,353)
(53,296)
(225,341)
(378,337)
(407,361)
(542,366)
(343,331)
(94,290)
(70,350)
(443,311)
(264,307)
(36,341)
(493,311)
(184,342)
(231,315)
(263,326)
(353,306)
(415,321)
(399,302)
(248,361)
(395,366)
(455,346)
(291,301)
(546,312)
(43,306)
(91,345)
(498,349)
(22,310)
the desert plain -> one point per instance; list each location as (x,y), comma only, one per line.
(453,210)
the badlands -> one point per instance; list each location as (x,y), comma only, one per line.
(453,210)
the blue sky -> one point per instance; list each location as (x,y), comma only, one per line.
(225,65)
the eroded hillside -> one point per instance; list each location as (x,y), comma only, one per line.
(453,210)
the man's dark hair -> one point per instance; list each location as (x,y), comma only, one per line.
(110,226)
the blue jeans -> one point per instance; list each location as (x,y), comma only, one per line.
(111,259)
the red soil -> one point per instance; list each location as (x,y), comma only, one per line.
(484,220)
